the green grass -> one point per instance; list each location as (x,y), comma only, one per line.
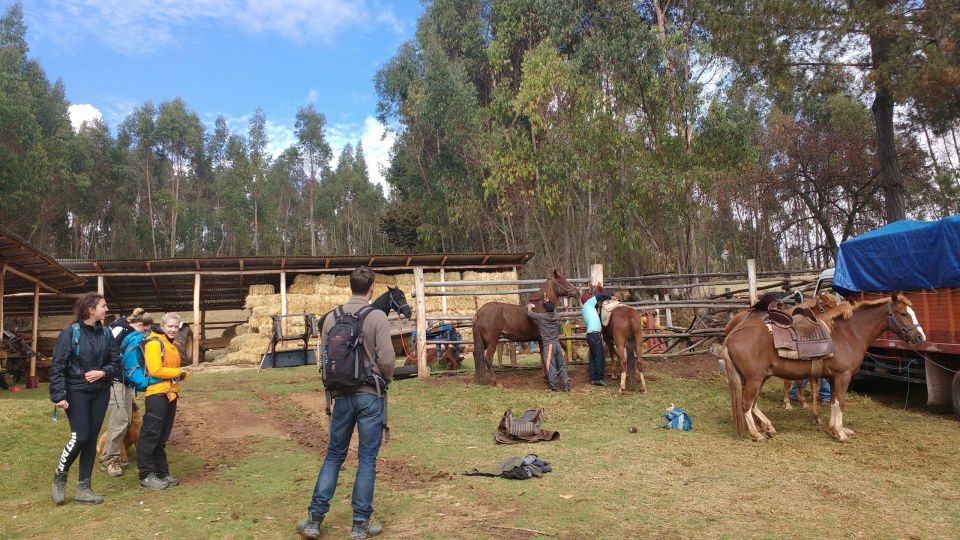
(898,478)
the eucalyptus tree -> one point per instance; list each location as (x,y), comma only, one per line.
(316,153)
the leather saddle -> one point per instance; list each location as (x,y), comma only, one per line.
(798,335)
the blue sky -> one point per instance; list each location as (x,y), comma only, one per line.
(226,57)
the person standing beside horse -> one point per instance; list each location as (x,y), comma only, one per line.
(551,349)
(162,361)
(363,406)
(120,404)
(591,319)
(85,359)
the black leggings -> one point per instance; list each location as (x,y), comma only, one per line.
(156,428)
(85,412)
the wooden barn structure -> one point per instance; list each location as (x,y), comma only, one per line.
(201,284)
(27,275)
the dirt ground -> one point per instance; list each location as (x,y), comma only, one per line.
(700,367)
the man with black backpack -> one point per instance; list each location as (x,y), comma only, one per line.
(357,361)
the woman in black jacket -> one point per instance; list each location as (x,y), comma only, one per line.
(85,361)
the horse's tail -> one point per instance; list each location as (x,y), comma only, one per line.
(735,384)
(479,353)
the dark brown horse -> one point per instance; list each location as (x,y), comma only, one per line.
(751,358)
(623,335)
(510,320)
(823,306)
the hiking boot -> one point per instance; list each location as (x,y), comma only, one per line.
(566,387)
(59,490)
(152,482)
(170,481)
(113,468)
(309,527)
(364,529)
(85,493)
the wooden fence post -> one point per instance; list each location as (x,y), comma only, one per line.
(596,274)
(32,382)
(443,299)
(752,280)
(423,370)
(196,319)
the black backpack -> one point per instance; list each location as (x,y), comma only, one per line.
(344,365)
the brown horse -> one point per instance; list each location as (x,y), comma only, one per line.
(623,335)
(510,320)
(821,305)
(751,358)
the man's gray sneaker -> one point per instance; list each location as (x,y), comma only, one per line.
(170,481)
(309,527)
(59,490)
(365,529)
(85,493)
(152,482)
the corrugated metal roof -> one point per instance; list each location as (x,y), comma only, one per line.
(167,284)
(22,256)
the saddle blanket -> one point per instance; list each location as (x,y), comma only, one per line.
(607,308)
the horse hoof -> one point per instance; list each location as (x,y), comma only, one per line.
(760,439)
(787,406)
(803,405)
(849,432)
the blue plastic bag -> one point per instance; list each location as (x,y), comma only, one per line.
(677,418)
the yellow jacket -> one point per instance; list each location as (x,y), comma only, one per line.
(166,368)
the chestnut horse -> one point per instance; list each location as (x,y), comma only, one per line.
(821,306)
(497,319)
(751,358)
(623,335)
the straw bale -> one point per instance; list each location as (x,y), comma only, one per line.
(243,329)
(321,279)
(261,289)
(261,300)
(248,341)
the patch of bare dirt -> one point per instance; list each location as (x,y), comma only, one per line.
(214,429)
(700,367)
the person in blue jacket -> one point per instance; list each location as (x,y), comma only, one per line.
(591,319)
(86,359)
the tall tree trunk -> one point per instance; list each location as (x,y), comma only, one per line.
(152,224)
(882,108)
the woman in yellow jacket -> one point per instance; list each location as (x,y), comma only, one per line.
(162,361)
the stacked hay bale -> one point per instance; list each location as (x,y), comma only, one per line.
(318,294)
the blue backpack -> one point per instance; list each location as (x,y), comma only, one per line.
(134,366)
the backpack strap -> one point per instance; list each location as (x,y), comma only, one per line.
(143,347)
(75,340)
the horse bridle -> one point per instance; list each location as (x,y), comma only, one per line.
(894,323)
(396,305)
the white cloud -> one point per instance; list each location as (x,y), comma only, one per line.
(83,112)
(143,26)
(376,149)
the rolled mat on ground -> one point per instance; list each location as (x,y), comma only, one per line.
(516,468)
(525,429)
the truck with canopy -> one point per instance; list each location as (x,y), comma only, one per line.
(921,259)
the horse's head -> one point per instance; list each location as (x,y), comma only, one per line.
(562,287)
(398,302)
(903,320)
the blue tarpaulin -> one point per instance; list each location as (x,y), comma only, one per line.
(903,255)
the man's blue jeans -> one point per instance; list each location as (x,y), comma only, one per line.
(597,368)
(824,389)
(366,411)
